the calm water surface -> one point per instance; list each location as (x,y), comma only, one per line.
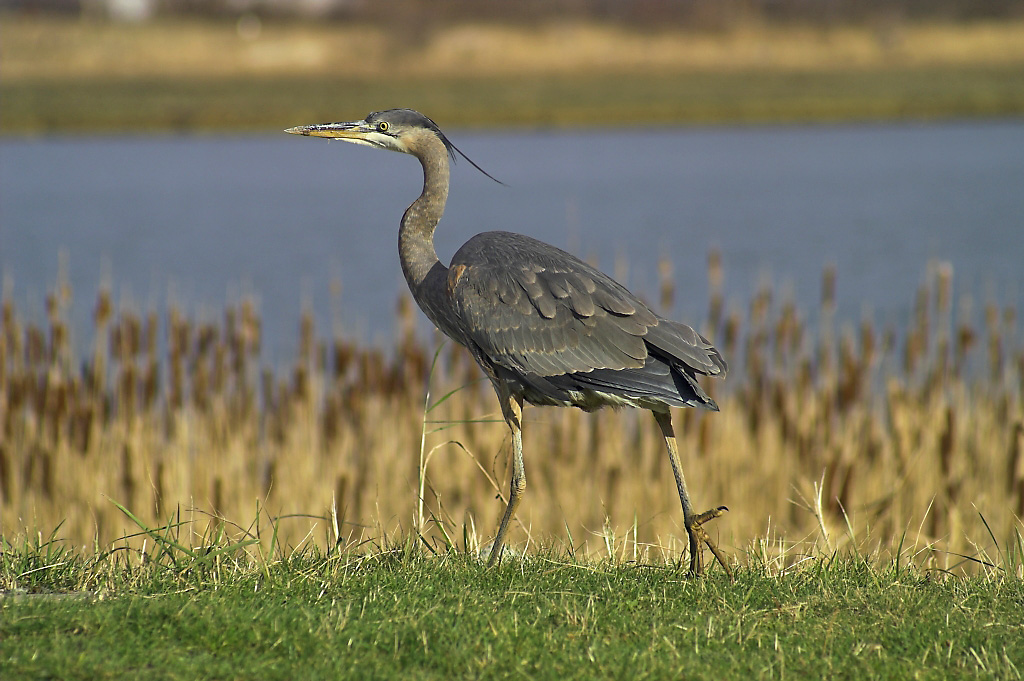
(205,220)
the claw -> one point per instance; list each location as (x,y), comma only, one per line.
(699,536)
(709,515)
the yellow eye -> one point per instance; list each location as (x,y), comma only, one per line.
(382,126)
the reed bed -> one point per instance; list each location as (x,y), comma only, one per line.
(903,442)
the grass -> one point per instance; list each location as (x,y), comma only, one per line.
(899,440)
(62,76)
(271,103)
(391,612)
(41,46)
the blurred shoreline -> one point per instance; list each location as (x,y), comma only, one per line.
(72,75)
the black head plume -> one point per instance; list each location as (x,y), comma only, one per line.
(410,117)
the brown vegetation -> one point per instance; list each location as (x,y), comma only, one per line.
(43,48)
(885,437)
(72,75)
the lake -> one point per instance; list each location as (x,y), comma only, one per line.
(204,220)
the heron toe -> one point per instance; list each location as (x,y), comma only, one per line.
(698,536)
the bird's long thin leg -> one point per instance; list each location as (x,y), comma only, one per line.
(693,522)
(512,409)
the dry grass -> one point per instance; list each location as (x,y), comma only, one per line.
(72,77)
(47,48)
(878,437)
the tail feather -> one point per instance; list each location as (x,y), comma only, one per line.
(685,345)
(658,381)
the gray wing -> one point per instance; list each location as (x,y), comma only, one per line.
(535,309)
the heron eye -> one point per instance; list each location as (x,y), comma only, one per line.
(383,126)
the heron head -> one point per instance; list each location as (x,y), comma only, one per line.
(394,130)
(401,130)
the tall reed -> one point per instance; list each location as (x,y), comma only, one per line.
(896,438)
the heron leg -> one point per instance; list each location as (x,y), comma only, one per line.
(512,409)
(694,522)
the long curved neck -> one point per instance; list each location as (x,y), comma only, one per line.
(416,236)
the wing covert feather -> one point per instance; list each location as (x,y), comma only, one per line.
(533,308)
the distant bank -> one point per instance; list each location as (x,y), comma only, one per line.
(66,76)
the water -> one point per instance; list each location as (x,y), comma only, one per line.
(206,220)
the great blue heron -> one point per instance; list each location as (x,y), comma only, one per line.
(545,327)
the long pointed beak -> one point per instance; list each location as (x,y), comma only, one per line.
(355,130)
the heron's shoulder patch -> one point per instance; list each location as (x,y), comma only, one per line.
(455,273)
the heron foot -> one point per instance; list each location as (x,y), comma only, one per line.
(698,536)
